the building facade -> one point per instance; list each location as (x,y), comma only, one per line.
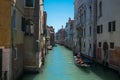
(50,36)
(21,37)
(12,39)
(108,21)
(85,26)
(17,37)
(5,39)
(44,34)
(69,27)
(60,36)
(33,10)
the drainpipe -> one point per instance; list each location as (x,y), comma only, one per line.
(11,49)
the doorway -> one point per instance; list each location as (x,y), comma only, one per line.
(105,49)
(0,62)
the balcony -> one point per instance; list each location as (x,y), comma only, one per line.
(79,26)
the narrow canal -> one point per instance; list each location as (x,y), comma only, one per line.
(59,65)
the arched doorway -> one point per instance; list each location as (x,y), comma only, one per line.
(105,50)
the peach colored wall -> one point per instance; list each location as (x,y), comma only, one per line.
(114,56)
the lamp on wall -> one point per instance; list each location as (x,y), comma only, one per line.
(41,4)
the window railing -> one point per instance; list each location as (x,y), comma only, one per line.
(3,75)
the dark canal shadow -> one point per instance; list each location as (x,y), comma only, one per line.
(28,76)
(101,71)
(85,69)
(104,73)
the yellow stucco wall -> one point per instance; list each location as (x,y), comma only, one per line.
(5,22)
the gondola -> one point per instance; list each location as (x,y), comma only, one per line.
(80,64)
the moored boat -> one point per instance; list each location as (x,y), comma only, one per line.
(49,47)
(79,62)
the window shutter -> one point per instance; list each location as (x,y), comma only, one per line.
(109,26)
(101,28)
(90,30)
(98,29)
(99,44)
(23,24)
(113,25)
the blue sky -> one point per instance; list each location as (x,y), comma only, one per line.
(58,12)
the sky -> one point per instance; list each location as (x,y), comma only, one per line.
(58,12)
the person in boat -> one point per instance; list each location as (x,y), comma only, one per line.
(78,59)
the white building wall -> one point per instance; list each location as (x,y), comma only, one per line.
(110,12)
(87,39)
(89,23)
(67,31)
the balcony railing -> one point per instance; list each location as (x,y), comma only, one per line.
(3,75)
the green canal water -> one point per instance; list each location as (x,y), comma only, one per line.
(59,65)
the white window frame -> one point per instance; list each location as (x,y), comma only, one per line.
(15,54)
(27,6)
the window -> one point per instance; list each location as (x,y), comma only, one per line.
(29,30)
(84,44)
(90,13)
(99,29)
(111,26)
(23,26)
(15,54)
(84,32)
(100,9)
(112,45)
(100,45)
(14,19)
(90,30)
(84,16)
(29,3)
(90,46)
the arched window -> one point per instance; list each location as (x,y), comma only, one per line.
(84,17)
(90,13)
(100,9)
